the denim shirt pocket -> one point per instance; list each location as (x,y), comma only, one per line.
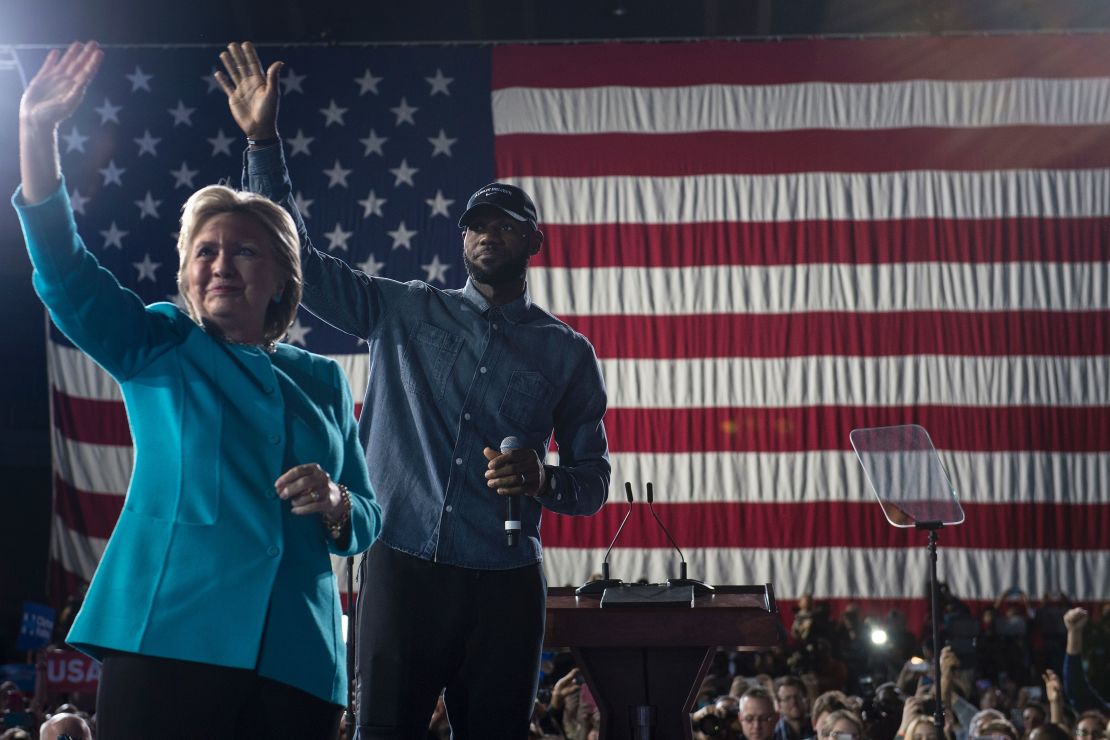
(527,401)
(429,356)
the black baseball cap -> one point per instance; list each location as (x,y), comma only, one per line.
(506,198)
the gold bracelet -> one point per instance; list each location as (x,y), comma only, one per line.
(335,528)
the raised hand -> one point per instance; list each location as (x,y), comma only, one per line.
(59,87)
(1075,619)
(50,98)
(948,660)
(1053,688)
(252,95)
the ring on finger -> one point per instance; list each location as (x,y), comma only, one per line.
(523,480)
(314,495)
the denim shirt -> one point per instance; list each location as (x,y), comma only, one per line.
(449,375)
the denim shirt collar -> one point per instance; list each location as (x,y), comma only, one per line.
(515,311)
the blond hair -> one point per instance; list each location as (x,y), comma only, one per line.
(215,200)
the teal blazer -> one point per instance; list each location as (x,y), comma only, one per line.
(206,563)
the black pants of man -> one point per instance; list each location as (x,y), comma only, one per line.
(141,697)
(425,627)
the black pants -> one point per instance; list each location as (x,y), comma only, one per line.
(141,697)
(425,627)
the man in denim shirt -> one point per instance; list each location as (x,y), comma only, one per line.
(445,603)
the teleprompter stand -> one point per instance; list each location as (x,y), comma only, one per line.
(905,473)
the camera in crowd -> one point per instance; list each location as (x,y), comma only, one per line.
(726,724)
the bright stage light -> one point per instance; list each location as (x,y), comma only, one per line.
(878,636)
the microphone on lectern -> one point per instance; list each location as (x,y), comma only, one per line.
(597,587)
(682,580)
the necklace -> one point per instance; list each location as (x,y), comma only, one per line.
(269,347)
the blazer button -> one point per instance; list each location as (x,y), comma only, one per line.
(273,551)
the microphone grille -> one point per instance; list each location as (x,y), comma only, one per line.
(511,443)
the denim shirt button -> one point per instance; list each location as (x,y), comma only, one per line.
(449,508)
(467,416)
(458,461)
(482,370)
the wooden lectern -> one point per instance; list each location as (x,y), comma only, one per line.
(645,665)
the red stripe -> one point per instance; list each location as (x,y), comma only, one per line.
(1035,333)
(1016,526)
(62,584)
(809,428)
(755,429)
(90,514)
(91,421)
(781,62)
(1004,240)
(811,150)
(98,422)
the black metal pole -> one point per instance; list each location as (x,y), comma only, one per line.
(938,707)
(352,619)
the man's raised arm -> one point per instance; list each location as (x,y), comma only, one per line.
(340,295)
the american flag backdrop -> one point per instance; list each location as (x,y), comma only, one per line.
(769,244)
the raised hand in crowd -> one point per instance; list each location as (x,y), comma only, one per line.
(1075,620)
(949,664)
(911,710)
(1054,695)
(564,688)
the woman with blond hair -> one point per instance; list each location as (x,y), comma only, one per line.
(214,602)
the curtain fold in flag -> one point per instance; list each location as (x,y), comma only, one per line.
(769,244)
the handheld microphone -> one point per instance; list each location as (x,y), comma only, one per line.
(597,587)
(512,503)
(682,580)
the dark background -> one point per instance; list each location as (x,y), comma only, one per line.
(24,404)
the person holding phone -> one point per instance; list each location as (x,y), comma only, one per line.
(214,598)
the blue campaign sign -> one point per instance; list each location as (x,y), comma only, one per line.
(37,626)
(21,674)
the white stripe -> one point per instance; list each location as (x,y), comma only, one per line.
(763,382)
(754,477)
(821,196)
(828,573)
(806,105)
(77,553)
(75,374)
(796,477)
(339,569)
(918,286)
(858,381)
(94,468)
(357,369)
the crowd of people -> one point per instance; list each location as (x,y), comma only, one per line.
(832,681)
